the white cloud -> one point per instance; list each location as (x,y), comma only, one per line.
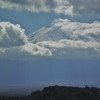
(79,31)
(11,35)
(72,49)
(74,39)
(27,51)
(81,40)
(13,43)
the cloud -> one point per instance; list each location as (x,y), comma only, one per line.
(58,6)
(89,7)
(78,7)
(71,49)
(13,43)
(74,39)
(27,51)
(11,35)
(78,31)
(67,7)
(30,5)
(64,7)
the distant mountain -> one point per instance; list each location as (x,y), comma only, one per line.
(47,34)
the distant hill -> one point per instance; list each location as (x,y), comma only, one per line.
(18,91)
(61,93)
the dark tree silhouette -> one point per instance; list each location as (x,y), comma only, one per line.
(61,93)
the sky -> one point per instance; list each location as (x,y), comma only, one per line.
(49,42)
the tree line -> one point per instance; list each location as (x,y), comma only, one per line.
(60,93)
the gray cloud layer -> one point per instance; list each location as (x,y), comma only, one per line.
(90,7)
(67,7)
(30,5)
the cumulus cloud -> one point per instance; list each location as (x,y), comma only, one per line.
(79,31)
(74,40)
(13,43)
(67,7)
(11,35)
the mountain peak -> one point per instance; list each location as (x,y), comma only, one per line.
(47,34)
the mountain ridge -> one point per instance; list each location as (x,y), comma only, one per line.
(47,34)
